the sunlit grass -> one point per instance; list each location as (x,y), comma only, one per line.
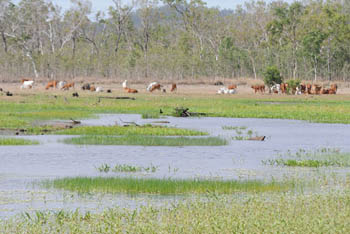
(162,186)
(148,130)
(16,141)
(146,141)
(21,112)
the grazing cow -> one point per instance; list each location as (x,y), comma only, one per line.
(92,88)
(61,84)
(128,90)
(225,90)
(308,88)
(75,94)
(275,88)
(28,84)
(154,87)
(316,89)
(258,88)
(86,86)
(303,88)
(51,84)
(68,85)
(173,87)
(125,84)
(99,90)
(23,80)
(333,89)
(218,83)
(232,86)
(284,88)
(150,86)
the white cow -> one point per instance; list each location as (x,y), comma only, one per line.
(27,84)
(225,90)
(99,90)
(149,87)
(61,84)
(276,87)
(125,84)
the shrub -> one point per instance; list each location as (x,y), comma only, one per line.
(272,76)
(292,85)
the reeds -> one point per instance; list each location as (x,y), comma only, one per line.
(16,141)
(162,186)
(146,141)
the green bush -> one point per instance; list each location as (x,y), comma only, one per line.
(292,85)
(272,76)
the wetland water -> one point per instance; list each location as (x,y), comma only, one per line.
(22,165)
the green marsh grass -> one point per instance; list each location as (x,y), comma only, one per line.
(162,186)
(320,158)
(16,141)
(149,130)
(283,214)
(146,141)
(22,111)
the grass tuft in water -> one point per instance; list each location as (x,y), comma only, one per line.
(162,186)
(17,141)
(147,130)
(146,141)
(126,168)
(324,157)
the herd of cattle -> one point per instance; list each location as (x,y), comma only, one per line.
(63,85)
(298,90)
(283,88)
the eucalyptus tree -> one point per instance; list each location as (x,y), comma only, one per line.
(285,29)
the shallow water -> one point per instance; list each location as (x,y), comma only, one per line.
(21,165)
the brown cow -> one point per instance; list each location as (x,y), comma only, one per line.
(284,87)
(258,88)
(154,87)
(68,85)
(333,89)
(173,87)
(92,88)
(51,84)
(232,86)
(128,90)
(315,89)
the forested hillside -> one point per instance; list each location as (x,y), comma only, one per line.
(175,39)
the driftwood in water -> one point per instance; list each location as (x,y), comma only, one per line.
(75,121)
(183,112)
(258,138)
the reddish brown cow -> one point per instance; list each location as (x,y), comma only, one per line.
(173,87)
(154,87)
(92,88)
(284,87)
(232,86)
(258,88)
(333,89)
(67,86)
(51,84)
(128,90)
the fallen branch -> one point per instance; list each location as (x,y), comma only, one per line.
(121,98)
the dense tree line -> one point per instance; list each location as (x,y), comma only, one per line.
(175,39)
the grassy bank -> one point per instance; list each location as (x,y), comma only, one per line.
(16,141)
(162,186)
(20,112)
(147,130)
(284,214)
(146,141)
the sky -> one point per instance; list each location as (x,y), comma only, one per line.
(102,5)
